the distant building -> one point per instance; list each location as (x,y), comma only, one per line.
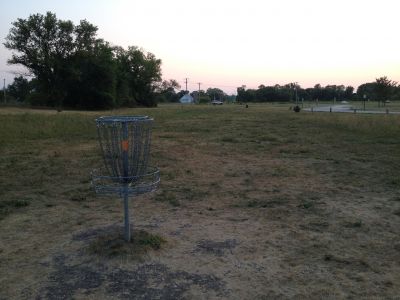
(186,99)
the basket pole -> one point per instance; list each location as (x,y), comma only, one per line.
(126,214)
(124,147)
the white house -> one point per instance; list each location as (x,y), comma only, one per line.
(186,99)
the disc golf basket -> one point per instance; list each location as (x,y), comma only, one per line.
(125,145)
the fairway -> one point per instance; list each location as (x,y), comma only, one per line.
(256,203)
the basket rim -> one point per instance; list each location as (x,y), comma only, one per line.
(96,173)
(123,119)
(106,184)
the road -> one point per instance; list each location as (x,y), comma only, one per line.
(347,109)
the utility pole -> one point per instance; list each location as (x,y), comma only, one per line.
(364,98)
(198,96)
(4,90)
(186,81)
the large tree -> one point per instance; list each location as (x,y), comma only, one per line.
(384,88)
(91,80)
(43,45)
(216,94)
(73,67)
(167,91)
(366,90)
(138,76)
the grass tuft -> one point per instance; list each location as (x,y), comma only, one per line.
(168,197)
(113,245)
(8,206)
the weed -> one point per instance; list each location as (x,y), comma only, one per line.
(78,198)
(228,139)
(14,203)
(149,240)
(252,203)
(356,224)
(306,205)
(169,197)
(395,181)
(8,206)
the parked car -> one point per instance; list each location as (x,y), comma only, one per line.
(217,102)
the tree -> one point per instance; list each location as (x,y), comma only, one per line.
(244,95)
(138,75)
(348,93)
(396,93)
(384,88)
(19,89)
(166,91)
(91,80)
(367,89)
(43,45)
(201,97)
(216,94)
(292,89)
(73,67)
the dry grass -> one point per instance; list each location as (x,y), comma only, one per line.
(254,203)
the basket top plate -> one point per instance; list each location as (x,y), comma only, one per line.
(115,119)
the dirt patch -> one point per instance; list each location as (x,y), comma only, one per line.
(83,274)
(156,281)
(147,281)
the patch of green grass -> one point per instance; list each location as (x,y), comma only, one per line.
(169,197)
(192,193)
(229,139)
(355,224)
(113,245)
(148,240)
(252,203)
(8,206)
(306,205)
(21,128)
(395,181)
(367,145)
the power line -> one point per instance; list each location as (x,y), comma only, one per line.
(211,85)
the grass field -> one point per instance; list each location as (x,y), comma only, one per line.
(254,203)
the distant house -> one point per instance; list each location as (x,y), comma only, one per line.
(186,99)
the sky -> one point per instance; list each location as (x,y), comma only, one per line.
(230,43)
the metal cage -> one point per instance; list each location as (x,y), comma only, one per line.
(125,145)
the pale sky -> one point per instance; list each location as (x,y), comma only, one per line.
(229,43)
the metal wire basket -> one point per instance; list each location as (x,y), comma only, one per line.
(125,145)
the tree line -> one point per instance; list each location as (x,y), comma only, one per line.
(382,89)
